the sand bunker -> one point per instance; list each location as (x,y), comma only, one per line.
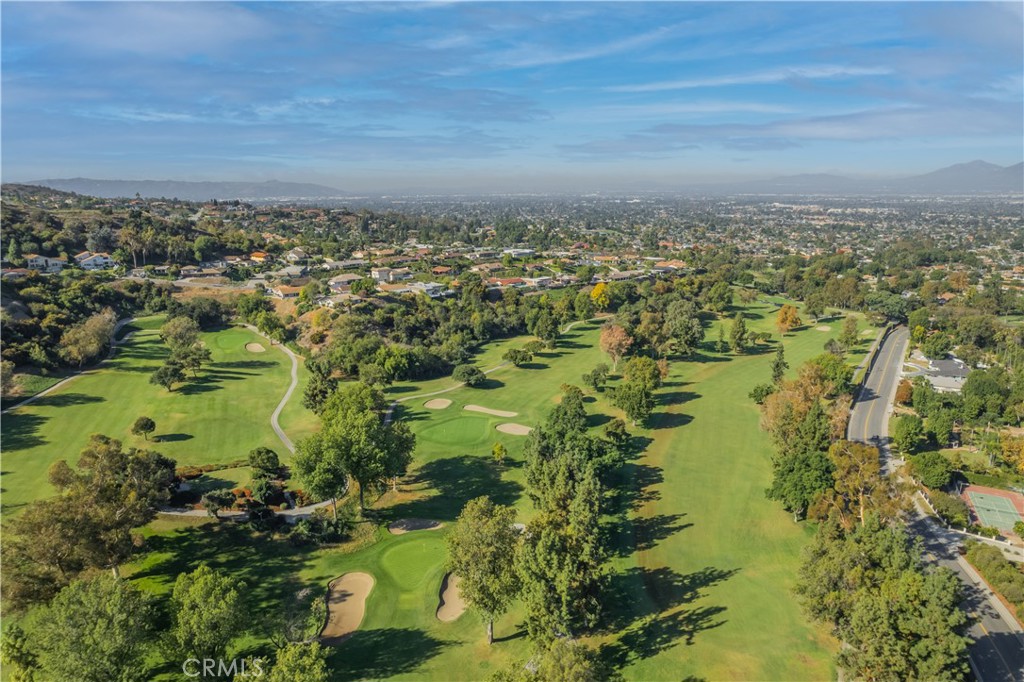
(514,429)
(437,404)
(255,347)
(346,604)
(450,605)
(408,525)
(823,328)
(493,413)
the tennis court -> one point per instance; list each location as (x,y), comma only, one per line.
(995,511)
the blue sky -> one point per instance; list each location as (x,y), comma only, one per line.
(506,96)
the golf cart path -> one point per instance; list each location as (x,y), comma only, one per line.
(274,423)
(114,343)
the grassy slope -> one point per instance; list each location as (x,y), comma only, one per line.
(712,592)
(216,419)
(708,596)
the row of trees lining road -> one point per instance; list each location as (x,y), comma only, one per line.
(356,441)
(115,637)
(556,566)
(863,575)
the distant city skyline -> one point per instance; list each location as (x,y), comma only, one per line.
(457,97)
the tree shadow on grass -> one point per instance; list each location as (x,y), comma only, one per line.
(652,613)
(21,431)
(533,365)
(400,389)
(172,437)
(245,364)
(381,653)
(490,384)
(597,420)
(675,397)
(642,533)
(265,563)
(68,399)
(669,420)
(457,480)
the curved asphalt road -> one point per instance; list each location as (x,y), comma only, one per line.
(997,654)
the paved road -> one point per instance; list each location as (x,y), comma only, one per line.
(997,654)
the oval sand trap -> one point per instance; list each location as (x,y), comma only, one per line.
(823,328)
(408,525)
(450,605)
(514,429)
(493,413)
(255,347)
(346,605)
(437,404)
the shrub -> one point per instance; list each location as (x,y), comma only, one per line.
(761,392)
(469,375)
(933,469)
(1000,573)
(951,508)
(264,460)
(285,506)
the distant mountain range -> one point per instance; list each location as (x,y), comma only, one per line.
(191,191)
(975,177)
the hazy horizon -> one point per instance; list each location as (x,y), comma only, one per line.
(476,97)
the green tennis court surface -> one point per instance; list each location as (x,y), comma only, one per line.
(992,510)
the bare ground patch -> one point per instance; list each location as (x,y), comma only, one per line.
(346,606)
(514,429)
(402,526)
(823,328)
(437,404)
(255,347)
(450,606)
(493,413)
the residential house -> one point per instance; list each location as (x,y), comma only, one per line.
(442,271)
(286,292)
(296,255)
(33,261)
(94,261)
(381,274)
(343,282)
(260,257)
(487,268)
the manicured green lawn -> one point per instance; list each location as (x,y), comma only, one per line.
(701,584)
(710,592)
(217,418)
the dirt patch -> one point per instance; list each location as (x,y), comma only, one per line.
(868,332)
(450,605)
(255,347)
(823,328)
(514,429)
(493,413)
(346,605)
(408,525)
(437,404)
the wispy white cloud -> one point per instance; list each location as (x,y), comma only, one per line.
(529,54)
(823,72)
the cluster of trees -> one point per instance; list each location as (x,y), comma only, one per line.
(90,524)
(359,440)
(896,618)
(556,565)
(181,335)
(862,574)
(1000,572)
(116,638)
